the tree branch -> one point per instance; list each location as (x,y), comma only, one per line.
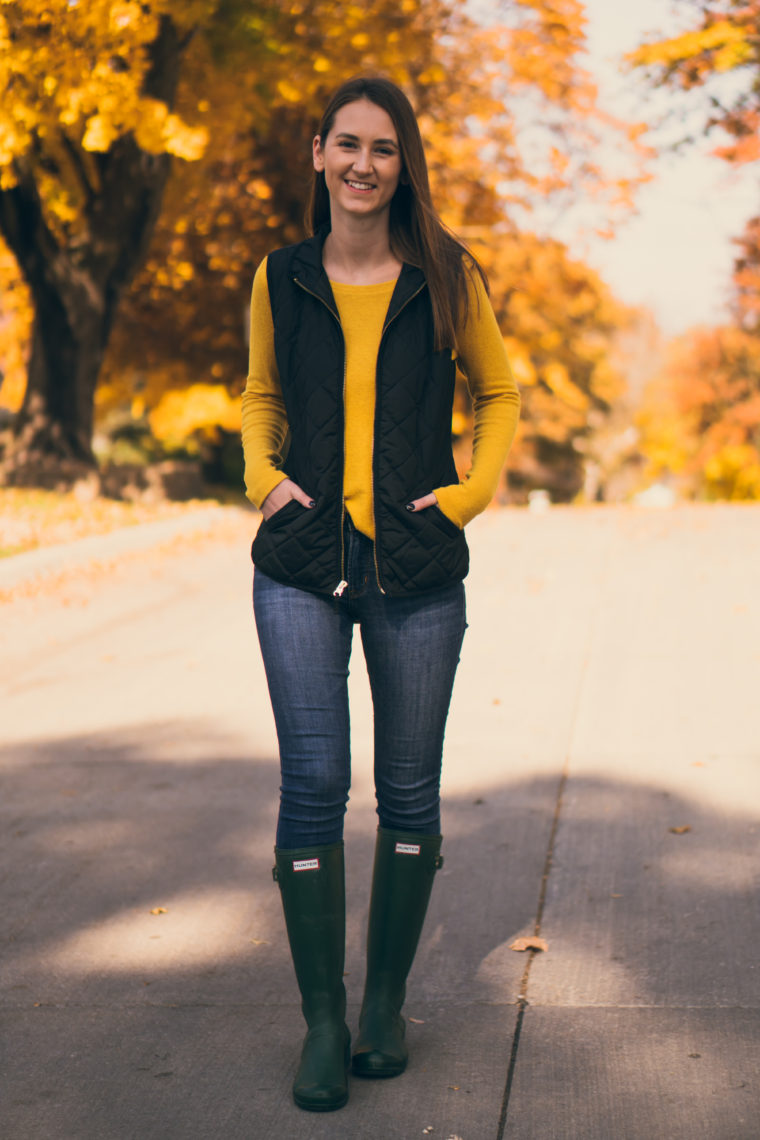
(80,170)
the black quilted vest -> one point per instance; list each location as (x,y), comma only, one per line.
(412,435)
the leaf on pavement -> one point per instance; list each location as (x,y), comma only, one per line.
(532,943)
(680,830)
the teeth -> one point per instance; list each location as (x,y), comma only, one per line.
(360,185)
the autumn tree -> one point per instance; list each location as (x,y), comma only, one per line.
(561,323)
(508,115)
(716,59)
(92,115)
(701,419)
(86,131)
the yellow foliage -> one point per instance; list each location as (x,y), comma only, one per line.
(700,419)
(724,40)
(201,407)
(733,472)
(519,359)
(728,40)
(555,376)
(76,73)
(81,68)
(15,328)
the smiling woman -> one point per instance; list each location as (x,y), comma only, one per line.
(347,439)
(361,163)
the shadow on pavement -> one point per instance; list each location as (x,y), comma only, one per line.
(120,1022)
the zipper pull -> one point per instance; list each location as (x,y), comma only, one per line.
(338,591)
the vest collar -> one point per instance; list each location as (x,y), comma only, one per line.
(308,271)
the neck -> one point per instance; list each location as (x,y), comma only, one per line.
(358,250)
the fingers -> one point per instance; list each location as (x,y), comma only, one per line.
(420,504)
(304,499)
(282,494)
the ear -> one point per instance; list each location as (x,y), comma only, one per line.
(318,157)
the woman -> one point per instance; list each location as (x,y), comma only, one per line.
(347,440)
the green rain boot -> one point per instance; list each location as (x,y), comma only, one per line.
(405,866)
(311,882)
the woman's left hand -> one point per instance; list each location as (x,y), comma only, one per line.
(420,504)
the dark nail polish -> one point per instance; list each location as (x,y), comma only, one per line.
(410,507)
(312,503)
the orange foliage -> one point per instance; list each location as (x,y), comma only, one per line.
(560,324)
(15,327)
(723,39)
(184,320)
(700,420)
(508,114)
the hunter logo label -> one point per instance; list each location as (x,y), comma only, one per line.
(306,864)
(407,848)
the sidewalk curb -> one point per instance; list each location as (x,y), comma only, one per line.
(46,560)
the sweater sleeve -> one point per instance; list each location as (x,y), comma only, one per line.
(496,407)
(264,422)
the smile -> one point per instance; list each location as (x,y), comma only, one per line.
(359,185)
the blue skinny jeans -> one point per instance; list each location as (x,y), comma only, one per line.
(411,647)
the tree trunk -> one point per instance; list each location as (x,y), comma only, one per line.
(56,418)
(76,284)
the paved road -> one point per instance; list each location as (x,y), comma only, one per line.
(602,790)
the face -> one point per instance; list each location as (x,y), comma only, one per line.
(361,159)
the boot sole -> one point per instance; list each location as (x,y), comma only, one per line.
(383,1073)
(311,1106)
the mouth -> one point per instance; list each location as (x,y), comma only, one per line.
(361,187)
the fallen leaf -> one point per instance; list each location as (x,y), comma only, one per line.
(159,910)
(532,943)
(680,830)
(261,942)
(415,1021)
(454,1088)
(616,896)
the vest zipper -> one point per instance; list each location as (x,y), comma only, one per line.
(338,591)
(374,432)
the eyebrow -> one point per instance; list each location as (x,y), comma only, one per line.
(355,138)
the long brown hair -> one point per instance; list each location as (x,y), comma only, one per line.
(417,234)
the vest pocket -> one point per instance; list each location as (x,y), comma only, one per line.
(444,519)
(286,514)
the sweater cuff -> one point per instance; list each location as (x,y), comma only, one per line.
(451,502)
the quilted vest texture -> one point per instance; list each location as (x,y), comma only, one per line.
(412,453)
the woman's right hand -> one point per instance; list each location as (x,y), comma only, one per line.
(282,494)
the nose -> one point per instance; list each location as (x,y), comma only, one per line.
(363,161)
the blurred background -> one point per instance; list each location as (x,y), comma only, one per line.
(599,158)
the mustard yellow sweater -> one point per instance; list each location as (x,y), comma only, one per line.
(362,309)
